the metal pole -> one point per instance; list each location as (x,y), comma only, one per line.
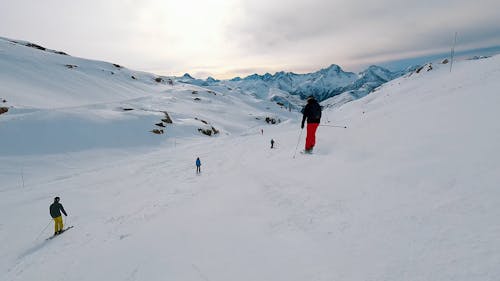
(22,176)
(300,135)
(453,51)
(42,231)
(335,126)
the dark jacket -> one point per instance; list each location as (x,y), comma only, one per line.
(311,112)
(198,162)
(55,210)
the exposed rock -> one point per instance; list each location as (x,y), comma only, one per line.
(127,109)
(194,92)
(159,79)
(197,99)
(445,61)
(203,121)
(70,66)
(60,53)
(117,65)
(3,110)
(31,45)
(160,124)
(478,57)
(133,77)
(427,67)
(215,130)
(38,47)
(167,118)
(271,120)
(157,131)
(207,132)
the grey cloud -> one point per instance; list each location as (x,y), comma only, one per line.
(360,29)
(259,36)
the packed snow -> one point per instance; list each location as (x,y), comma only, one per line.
(408,191)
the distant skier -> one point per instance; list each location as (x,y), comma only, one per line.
(198,165)
(272,143)
(55,212)
(311,112)
(261,131)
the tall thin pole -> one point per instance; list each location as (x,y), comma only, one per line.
(453,51)
(298,141)
(22,176)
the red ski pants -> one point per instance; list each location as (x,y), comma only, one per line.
(311,135)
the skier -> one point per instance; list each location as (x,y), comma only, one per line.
(272,143)
(311,112)
(198,165)
(55,212)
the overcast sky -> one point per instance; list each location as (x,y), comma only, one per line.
(227,38)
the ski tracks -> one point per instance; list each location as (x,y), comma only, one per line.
(299,199)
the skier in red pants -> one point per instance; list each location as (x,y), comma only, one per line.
(311,112)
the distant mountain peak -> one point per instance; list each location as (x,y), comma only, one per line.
(187,76)
(332,68)
(254,76)
(211,79)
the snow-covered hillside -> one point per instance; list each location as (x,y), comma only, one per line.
(58,103)
(409,191)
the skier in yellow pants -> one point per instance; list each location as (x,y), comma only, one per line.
(55,212)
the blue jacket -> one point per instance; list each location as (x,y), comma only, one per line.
(198,162)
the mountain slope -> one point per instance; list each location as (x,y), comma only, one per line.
(408,192)
(60,104)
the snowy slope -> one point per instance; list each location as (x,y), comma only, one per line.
(60,103)
(407,192)
(51,80)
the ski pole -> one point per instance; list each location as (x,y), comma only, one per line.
(300,135)
(42,231)
(335,126)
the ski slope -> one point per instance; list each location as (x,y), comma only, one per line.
(409,191)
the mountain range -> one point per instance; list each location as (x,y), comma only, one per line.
(289,89)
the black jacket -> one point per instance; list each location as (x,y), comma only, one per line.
(55,210)
(311,112)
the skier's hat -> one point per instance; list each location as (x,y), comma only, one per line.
(56,198)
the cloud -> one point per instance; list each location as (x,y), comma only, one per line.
(342,31)
(233,37)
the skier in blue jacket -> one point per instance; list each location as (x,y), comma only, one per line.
(198,165)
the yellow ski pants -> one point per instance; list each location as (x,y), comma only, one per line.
(58,224)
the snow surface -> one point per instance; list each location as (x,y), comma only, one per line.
(409,191)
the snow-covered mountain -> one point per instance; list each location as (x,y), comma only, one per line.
(290,89)
(50,92)
(409,191)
